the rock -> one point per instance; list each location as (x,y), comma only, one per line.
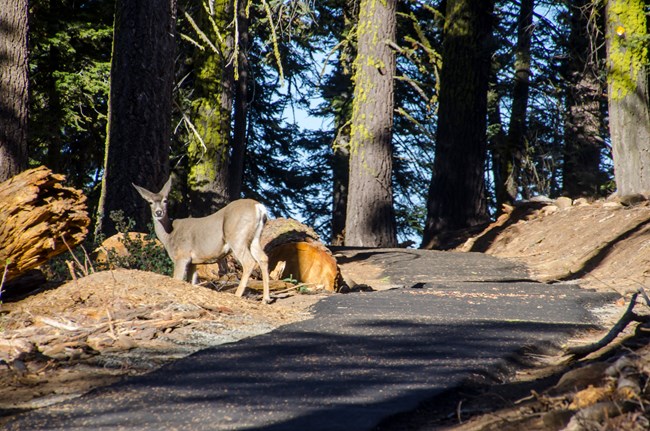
(117,245)
(549,209)
(563,202)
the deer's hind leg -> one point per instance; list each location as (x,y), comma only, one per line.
(263,261)
(248,259)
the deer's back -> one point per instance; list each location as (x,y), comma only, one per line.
(207,239)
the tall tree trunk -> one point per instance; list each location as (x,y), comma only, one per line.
(581,174)
(14,86)
(342,104)
(240,122)
(627,91)
(515,147)
(209,152)
(139,113)
(457,193)
(341,177)
(370,220)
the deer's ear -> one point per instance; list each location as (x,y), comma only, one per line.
(167,187)
(146,194)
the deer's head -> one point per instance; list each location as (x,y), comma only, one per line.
(157,201)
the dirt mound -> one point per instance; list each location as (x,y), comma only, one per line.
(605,245)
(60,343)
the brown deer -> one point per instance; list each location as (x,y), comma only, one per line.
(235,229)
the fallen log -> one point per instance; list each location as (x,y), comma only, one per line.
(39,219)
(306,258)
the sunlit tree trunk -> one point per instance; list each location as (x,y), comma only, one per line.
(209,147)
(14,84)
(583,144)
(370,220)
(139,112)
(627,91)
(456,197)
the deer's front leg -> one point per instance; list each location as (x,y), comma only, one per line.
(181,268)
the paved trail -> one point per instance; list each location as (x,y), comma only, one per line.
(362,358)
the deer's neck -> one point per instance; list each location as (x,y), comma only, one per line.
(163,228)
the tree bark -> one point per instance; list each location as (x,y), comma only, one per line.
(341,102)
(139,117)
(209,149)
(627,91)
(14,87)
(456,197)
(370,220)
(581,173)
(240,121)
(39,219)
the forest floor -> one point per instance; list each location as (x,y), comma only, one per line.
(90,332)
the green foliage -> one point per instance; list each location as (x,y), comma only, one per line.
(143,254)
(70,54)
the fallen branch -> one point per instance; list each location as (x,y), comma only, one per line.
(628,317)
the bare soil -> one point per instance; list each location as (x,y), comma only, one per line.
(93,331)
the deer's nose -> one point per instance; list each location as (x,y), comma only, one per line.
(159,213)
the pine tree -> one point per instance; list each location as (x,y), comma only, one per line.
(457,192)
(627,91)
(139,123)
(370,220)
(212,103)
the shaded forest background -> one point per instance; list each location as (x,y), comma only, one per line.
(477,105)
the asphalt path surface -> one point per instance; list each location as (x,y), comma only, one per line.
(363,356)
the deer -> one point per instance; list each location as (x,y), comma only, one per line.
(235,229)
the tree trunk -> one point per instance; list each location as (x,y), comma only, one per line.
(340,173)
(39,219)
(14,84)
(370,220)
(581,174)
(139,117)
(209,150)
(627,91)
(457,193)
(341,102)
(515,145)
(240,123)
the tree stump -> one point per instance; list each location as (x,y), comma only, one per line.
(307,259)
(39,219)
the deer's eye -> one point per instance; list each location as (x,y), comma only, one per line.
(164,201)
